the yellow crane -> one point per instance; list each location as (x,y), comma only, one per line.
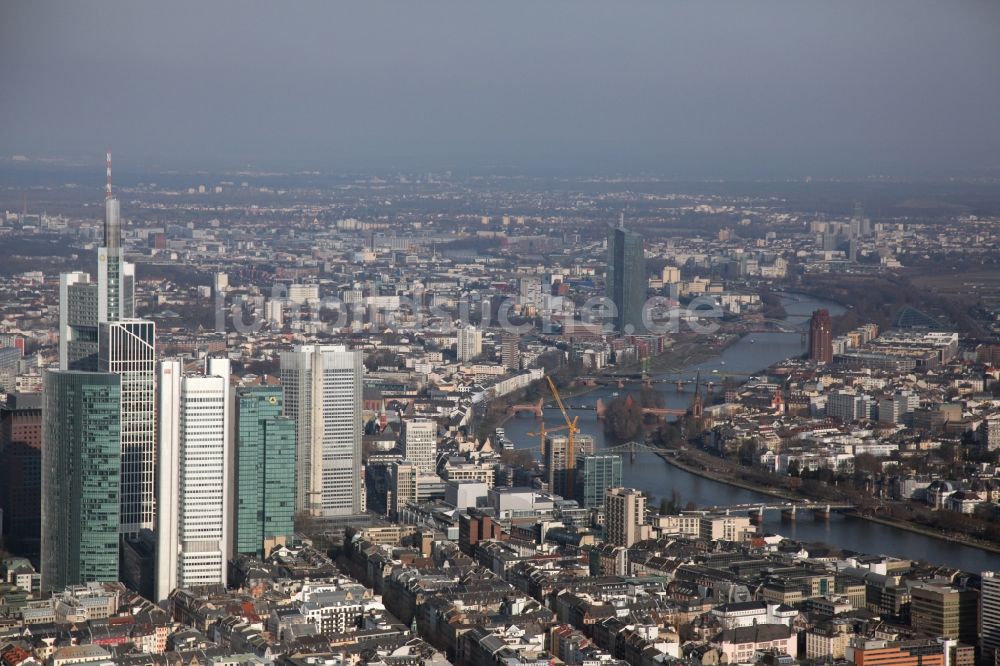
(571,428)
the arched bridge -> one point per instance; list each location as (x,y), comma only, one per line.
(535,408)
(658,412)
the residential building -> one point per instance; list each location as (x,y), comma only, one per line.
(470,343)
(624,516)
(510,352)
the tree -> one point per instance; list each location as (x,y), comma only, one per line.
(623,419)
(793,468)
(867,463)
(650,397)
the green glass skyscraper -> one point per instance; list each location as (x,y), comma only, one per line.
(81,467)
(595,474)
(265,470)
(626,279)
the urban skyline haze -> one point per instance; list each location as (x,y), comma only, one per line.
(729,89)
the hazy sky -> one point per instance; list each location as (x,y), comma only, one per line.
(690,87)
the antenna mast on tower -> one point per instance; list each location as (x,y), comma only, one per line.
(107,189)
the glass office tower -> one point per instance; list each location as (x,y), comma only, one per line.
(80,477)
(265,471)
(626,279)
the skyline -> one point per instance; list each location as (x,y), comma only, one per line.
(510,334)
(900,88)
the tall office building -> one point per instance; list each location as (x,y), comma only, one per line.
(510,351)
(626,279)
(21,472)
(98,332)
(557,461)
(84,304)
(989,618)
(821,337)
(127,348)
(624,516)
(322,386)
(405,483)
(78,323)
(115,276)
(265,471)
(470,343)
(595,474)
(80,477)
(420,444)
(193,530)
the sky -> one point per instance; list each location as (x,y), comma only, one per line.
(697,88)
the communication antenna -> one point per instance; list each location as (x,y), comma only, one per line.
(107,189)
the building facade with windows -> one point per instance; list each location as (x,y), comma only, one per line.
(323,385)
(81,466)
(193,530)
(264,486)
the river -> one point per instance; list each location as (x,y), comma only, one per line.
(749,355)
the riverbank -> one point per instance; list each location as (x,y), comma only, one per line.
(926,531)
(680,356)
(773,492)
(729,481)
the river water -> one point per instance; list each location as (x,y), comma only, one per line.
(749,355)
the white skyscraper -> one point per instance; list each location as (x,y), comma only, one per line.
(127,348)
(470,343)
(322,386)
(420,444)
(193,530)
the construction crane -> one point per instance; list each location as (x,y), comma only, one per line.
(571,429)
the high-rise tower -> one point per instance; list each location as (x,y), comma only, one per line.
(115,276)
(98,331)
(323,395)
(265,471)
(127,348)
(193,530)
(626,279)
(821,337)
(420,444)
(80,477)
(989,618)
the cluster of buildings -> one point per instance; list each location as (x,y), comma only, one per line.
(289,454)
